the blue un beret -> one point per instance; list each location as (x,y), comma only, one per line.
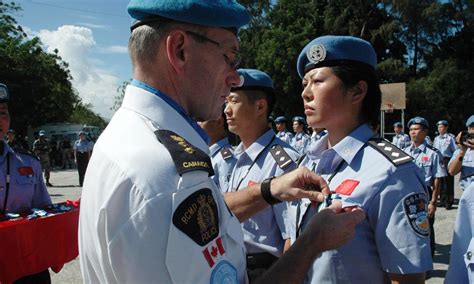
(442,122)
(42,133)
(327,50)
(398,124)
(418,120)
(470,121)
(4,94)
(300,119)
(211,13)
(251,79)
(280,119)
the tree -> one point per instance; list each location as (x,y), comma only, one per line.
(120,94)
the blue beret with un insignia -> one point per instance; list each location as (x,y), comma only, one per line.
(4,95)
(280,119)
(329,50)
(398,124)
(252,79)
(300,119)
(470,121)
(211,13)
(418,120)
(442,122)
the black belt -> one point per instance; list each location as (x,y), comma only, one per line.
(260,260)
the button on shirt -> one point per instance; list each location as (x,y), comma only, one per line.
(461,264)
(130,194)
(82,146)
(27,188)
(266,230)
(300,142)
(222,166)
(429,160)
(285,136)
(467,168)
(401,140)
(379,187)
(446,144)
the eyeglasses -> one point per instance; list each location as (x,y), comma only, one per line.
(233,61)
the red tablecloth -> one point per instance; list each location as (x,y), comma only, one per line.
(31,246)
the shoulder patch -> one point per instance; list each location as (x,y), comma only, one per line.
(185,156)
(197,217)
(22,151)
(390,151)
(281,156)
(416,213)
(226,153)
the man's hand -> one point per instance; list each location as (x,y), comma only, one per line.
(300,183)
(431,210)
(333,226)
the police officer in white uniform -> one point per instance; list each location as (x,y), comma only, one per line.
(430,161)
(282,132)
(220,150)
(341,94)
(446,143)
(21,180)
(148,206)
(260,155)
(400,139)
(301,140)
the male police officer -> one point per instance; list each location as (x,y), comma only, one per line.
(429,160)
(148,205)
(283,133)
(220,150)
(445,142)
(41,148)
(82,152)
(260,155)
(463,159)
(21,180)
(400,139)
(301,140)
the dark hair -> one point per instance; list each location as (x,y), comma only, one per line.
(350,73)
(262,93)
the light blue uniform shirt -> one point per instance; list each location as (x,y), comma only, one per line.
(300,142)
(266,230)
(27,188)
(429,160)
(285,136)
(222,166)
(461,264)
(394,199)
(82,146)
(401,140)
(467,168)
(446,144)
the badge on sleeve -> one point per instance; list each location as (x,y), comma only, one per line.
(416,213)
(224,272)
(197,217)
(214,251)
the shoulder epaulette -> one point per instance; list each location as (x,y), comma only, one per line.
(394,154)
(432,148)
(185,156)
(300,159)
(25,152)
(281,157)
(226,153)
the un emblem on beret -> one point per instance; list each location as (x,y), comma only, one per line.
(242,81)
(316,53)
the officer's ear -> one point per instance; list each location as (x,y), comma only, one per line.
(262,106)
(177,43)
(358,92)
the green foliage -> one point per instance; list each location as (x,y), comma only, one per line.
(120,94)
(83,114)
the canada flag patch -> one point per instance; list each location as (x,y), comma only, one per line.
(214,251)
(347,187)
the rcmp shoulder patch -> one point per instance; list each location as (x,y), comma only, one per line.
(185,156)
(281,156)
(416,213)
(197,217)
(26,152)
(390,151)
(226,153)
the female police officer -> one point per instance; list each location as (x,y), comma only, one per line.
(21,180)
(341,94)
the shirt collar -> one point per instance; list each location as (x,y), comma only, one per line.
(256,146)
(174,105)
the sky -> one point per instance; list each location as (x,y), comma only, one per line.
(91,36)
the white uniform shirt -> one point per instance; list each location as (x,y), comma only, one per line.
(131,193)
